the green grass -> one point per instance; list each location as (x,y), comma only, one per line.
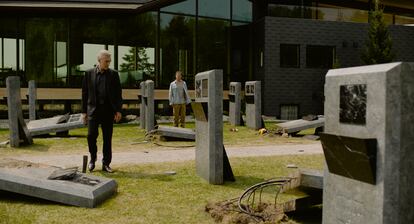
(128,137)
(145,195)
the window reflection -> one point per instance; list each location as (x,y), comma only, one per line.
(242,10)
(176,48)
(212,45)
(185,7)
(214,8)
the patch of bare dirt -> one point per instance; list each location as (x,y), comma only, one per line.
(228,213)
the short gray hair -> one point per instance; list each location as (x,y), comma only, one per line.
(103,53)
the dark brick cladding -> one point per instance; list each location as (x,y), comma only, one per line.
(304,86)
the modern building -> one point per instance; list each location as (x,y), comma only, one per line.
(287,44)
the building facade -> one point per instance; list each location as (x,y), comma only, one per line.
(287,44)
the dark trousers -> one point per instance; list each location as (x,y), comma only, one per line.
(102,116)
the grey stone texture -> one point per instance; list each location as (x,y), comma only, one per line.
(299,125)
(253,98)
(55,124)
(209,133)
(32,180)
(17,127)
(304,86)
(175,132)
(149,106)
(235,103)
(32,93)
(389,119)
(142,106)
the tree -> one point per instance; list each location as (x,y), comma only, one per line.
(379,45)
(137,59)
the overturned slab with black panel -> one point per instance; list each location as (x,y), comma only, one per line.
(60,123)
(368,143)
(212,163)
(64,186)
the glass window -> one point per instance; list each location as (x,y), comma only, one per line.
(90,53)
(176,48)
(242,10)
(214,8)
(405,20)
(10,54)
(135,63)
(320,56)
(1,54)
(185,7)
(21,55)
(334,13)
(289,55)
(212,45)
(61,68)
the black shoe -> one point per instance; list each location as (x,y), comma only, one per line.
(106,168)
(91,166)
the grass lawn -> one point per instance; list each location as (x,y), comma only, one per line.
(145,195)
(128,137)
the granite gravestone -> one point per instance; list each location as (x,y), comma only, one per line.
(253,97)
(235,103)
(17,126)
(142,107)
(32,100)
(368,145)
(149,106)
(54,183)
(211,159)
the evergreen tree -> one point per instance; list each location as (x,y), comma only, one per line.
(137,59)
(379,44)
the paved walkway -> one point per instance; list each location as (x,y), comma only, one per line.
(177,155)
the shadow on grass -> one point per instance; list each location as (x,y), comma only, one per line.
(119,174)
(35,147)
(243,182)
(14,198)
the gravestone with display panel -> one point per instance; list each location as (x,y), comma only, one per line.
(368,145)
(253,97)
(142,105)
(235,103)
(212,163)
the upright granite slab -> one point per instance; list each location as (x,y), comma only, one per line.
(253,97)
(368,145)
(149,106)
(55,124)
(32,93)
(19,134)
(211,160)
(31,179)
(142,107)
(235,103)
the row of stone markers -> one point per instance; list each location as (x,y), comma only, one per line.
(253,98)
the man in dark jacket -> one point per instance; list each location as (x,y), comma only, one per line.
(101,105)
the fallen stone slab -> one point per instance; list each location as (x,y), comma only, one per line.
(31,179)
(55,124)
(174,132)
(300,125)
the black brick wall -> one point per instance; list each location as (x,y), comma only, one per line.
(304,86)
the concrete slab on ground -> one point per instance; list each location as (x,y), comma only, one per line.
(31,179)
(174,132)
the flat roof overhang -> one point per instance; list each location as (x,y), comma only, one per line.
(119,6)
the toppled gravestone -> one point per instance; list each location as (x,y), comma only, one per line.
(66,186)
